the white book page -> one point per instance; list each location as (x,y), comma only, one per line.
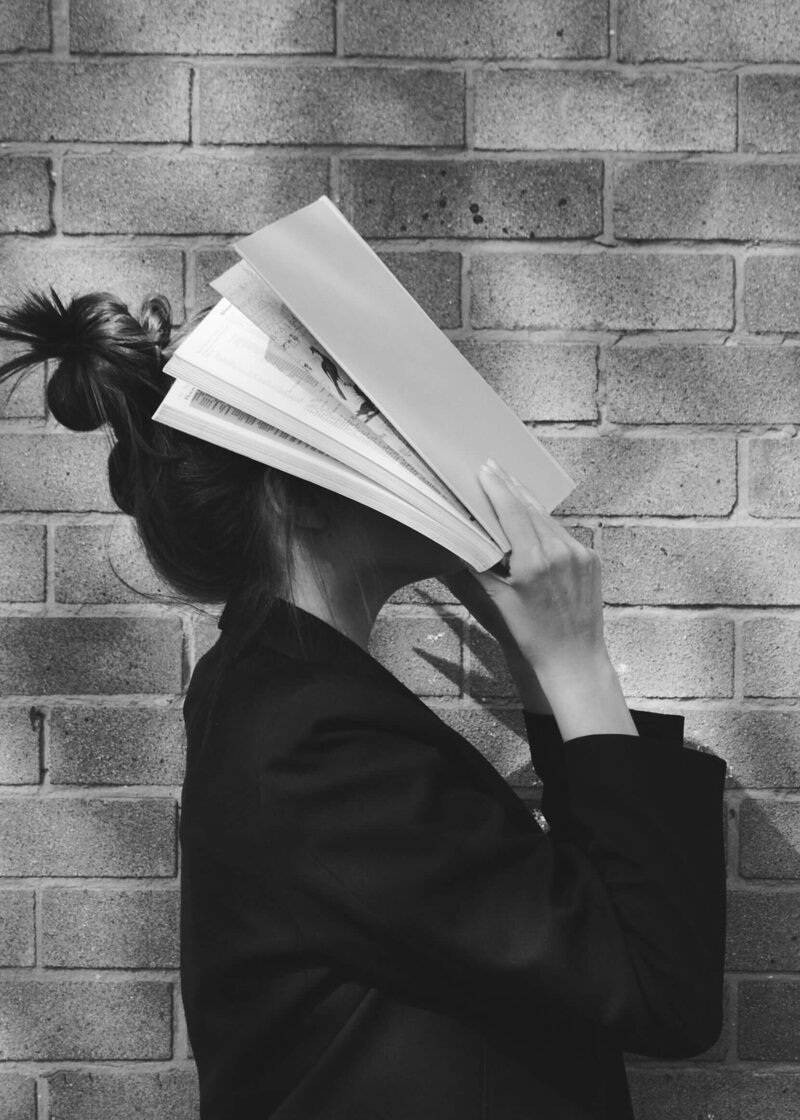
(290,342)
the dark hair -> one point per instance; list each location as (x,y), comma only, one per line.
(213,522)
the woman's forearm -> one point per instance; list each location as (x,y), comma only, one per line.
(585,699)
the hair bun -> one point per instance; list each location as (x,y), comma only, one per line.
(155,316)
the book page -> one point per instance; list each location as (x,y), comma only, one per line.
(230,356)
(292,347)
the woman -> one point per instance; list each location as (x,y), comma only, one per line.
(373,925)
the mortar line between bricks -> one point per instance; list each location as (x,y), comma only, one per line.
(338,28)
(469,109)
(59,24)
(738,660)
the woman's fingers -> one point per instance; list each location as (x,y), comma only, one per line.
(512,511)
(541,524)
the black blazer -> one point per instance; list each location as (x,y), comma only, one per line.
(374,927)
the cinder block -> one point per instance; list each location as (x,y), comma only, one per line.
(488,676)
(185,194)
(208,265)
(21,562)
(434,280)
(701,565)
(116,746)
(736,1094)
(130,274)
(105,564)
(24,194)
(102,928)
(678,200)
(671,656)
(737,30)
(124,102)
(771,655)
(393,106)
(772,293)
(679,384)
(65,1020)
(499,734)
(207,27)
(482,199)
(477,28)
(659,476)
(20,733)
(54,472)
(769,840)
(774,477)
(538,381)
(119,838)
(25,25)
(168,1094)
(761,931)
(21,397)
(426,592)
(769,1011)
(424,653)
(17,1096)
(17,936)
(769,118)
(57,656)
(760,747)
(206,635)
(536,110)
(597,291)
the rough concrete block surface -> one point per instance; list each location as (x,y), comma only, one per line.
(671,656)
(524,199)
(186,194)
(125,1095)
(477,28)
(605,110)
(760,926)
(671,199)
(771,655)
(769,843)
(743,1094)
(108,838)
(424,653)
(17,1096)
(774,477)
(131,273)
(64,656)
(105,928)
(105,564)
(770,112)
(767,1010)
(24,195)
(400,106)
(703,565)
(759,746)
(114,746)
(22,554)
(67,1020)
(20,744)
(658,476)
(538,381)
(54,471)
(673,383)
(718,31)
(124,102)
(202,27)
(25,25)
(17,933)
(772,293)
(599,291)
(433,279)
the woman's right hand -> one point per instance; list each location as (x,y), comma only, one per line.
(552,606)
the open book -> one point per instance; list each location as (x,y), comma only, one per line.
(318,362)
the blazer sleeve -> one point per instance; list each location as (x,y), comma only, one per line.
(415,877)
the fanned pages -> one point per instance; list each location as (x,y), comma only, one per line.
(292,374)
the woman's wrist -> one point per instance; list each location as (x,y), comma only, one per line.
(586,698)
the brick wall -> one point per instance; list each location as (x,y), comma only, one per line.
(600,202)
